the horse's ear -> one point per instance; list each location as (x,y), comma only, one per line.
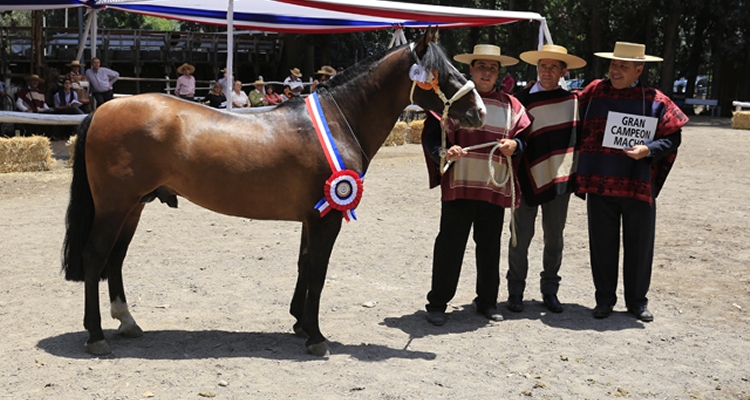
(430,36)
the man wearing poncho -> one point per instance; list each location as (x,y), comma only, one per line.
(469,197)
(621,184)
(546,173)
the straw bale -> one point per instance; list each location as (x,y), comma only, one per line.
(398,135)
(415,131)
(25,154)
(71,143)
(741,120)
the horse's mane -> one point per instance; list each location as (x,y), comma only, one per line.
(433,59)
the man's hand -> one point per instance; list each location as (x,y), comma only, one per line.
(508,147)
(455,152)
(637,152)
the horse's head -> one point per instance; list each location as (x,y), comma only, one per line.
(438,84)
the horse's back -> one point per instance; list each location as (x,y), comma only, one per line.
(257,165)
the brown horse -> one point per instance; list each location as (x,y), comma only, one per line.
(268,165)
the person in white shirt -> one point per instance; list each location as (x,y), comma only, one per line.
(239,98)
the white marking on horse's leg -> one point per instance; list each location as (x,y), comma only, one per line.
(128,327)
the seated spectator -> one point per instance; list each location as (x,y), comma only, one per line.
(257,96)
(239,98)
(186,82)
(216,97)
(272,98)
(287,93)
(30,98)
(66,99)
(324,74)
(79,84)
(294,82)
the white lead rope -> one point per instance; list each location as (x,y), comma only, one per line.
(508,176)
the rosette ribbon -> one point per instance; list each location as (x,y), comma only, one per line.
(343,189)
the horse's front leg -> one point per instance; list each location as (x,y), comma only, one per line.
(297,308)
(321,237)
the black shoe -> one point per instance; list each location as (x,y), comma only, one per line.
(552,303)
(642,313)
(492,314)
(602,311)
(515,303)
(436,318)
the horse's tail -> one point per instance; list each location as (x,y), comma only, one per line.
(80,216)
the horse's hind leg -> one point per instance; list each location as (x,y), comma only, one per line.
(321,237)
(118,303)
(102,238)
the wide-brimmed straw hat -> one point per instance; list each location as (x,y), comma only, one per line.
(74,63)
(326,70)
(553,52)
(625,51)
(295,72)
(34,77)
(259,82)
(486,52)
(185,66)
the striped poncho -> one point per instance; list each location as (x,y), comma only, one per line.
(549,160)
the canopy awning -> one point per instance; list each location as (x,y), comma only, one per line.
(298,16)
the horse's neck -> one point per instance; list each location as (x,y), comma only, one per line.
(373,109)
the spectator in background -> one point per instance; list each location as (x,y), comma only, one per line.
(508,82)
(287,93)
(224,81)
(272,98)
(294,82)
(101,80)
(186,82)
(30,98)
(239,98)
(324,74)
(79,85)
(66,99)
(216,98)
(257,96)
(2,89)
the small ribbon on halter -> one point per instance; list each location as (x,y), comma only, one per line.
(343,189)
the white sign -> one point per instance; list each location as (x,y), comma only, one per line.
(627,130)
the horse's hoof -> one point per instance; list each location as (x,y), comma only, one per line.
(299,332)
(319,349)
(130,331)
(98,348)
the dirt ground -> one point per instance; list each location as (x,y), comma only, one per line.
(212,293)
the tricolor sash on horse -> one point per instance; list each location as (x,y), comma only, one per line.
(343,189)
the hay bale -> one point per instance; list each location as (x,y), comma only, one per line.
(398,135)
(741,120)
(415,131)
(25,154)
(71,143)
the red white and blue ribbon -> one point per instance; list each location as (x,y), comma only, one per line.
(343,190)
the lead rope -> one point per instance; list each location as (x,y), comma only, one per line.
(508,176)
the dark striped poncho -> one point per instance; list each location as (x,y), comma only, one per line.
(549,160)
(611,172)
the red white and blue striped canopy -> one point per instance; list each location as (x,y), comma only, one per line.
(298,16)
